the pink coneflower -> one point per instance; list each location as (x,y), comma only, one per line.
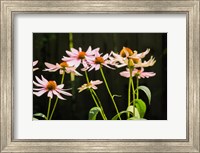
(76,57)
(138,73)
(98,61)
(63,67)
(91,84)
(34,63)
(49,86)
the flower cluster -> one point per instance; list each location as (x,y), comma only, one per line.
(92,59)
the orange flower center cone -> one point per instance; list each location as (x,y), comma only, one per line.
(51,85)
(99,60)
(64,64)
(81,55)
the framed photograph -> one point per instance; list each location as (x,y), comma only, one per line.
(99,76)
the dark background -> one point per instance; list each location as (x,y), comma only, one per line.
(51,47)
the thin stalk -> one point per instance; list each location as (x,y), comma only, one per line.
(71,40)
(137,84)
(132,84)
(93,96)
(86,76)
(99,103)
(49,107)
(101,70)
(129,92)
(55,104)
(71,44)
(63,77)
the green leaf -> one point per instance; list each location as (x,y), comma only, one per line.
(137,114)
(146,91)
(93,113)
(119,114)
(141,107)
(40,115)
(130,109)
(35,118)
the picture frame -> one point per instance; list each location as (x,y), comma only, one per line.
(10,8)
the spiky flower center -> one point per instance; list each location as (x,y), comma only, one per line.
(81,55)
(99,60)
(89,85)
(51,85)
(126,51)
(64,64)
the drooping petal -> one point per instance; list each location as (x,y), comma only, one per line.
(96,82)
(125,74)
(64,92)
(91,68)
(61,71)
(39,93)
(97,67)
(58,95)
(77,63)
(147,74)
(72,62)
(94,87)
(50,94)
(77,73)
(83,87)
(108,66)
(72,70)
(84,63)
(38,89)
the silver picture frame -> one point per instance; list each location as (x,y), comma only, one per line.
(189,7)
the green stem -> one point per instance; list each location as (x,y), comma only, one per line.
(71,44)
(70,40)
(55,104)
(105,118)
(137,83)
(97,104)
(133,97)
(86,76)
(92,93)
(101,70)
(63,77)
(54,107)
(49,107)
(129,91)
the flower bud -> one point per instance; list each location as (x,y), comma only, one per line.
(130,64)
